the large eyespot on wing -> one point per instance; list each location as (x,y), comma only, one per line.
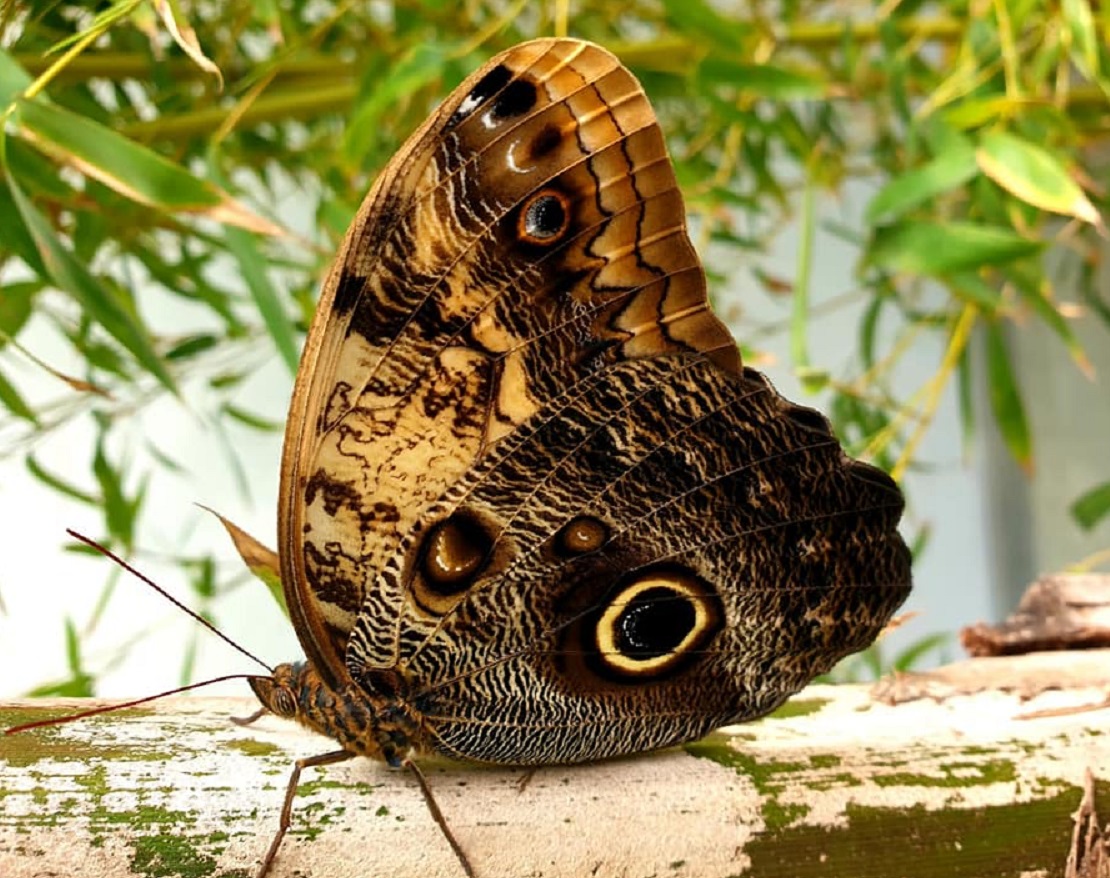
(650,626)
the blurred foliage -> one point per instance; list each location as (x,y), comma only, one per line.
(149,146)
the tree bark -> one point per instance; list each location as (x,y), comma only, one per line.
(836,784)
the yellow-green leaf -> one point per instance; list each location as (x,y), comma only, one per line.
(766,80)
(1005,398)
(923,247)
(1093,506)
(185,37)
(1033,174)
(69,275)
(130,169)
(922,184)
(1084,37)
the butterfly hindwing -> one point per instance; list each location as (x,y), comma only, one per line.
(674,549)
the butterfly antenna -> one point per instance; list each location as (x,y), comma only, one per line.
(190,613)
(107,708)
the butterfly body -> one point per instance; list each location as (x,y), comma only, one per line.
(534,509)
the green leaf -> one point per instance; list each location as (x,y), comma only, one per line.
(119,511)
(1084,35)
(14,236)
(80,682)
(17,301)
(58,484)
(922,184)
(700,19)
(765,80)
(1031,290)
(130,169)
(1092,507)
(970,287)
(263,562)
(912,655)
(1005,398)
(935,248)
(966,398)
(72,277)
(1033,174)
(419,66)
(869,322)
(192,345)
(13,80)
(253,267)
(15,403)
(255,422)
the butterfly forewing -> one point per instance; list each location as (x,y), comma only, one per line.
(528,235)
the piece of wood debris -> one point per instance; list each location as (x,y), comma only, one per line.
(1062,611)
(1089,855)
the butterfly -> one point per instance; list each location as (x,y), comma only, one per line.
(533,508)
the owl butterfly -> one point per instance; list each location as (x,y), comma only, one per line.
(533,508)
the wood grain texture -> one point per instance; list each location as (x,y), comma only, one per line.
(844,788)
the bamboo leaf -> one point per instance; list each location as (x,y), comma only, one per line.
(255,422)
(701,19)
(15,238)
(13,80)
(1034,175)
(1084,36)
(14,403)
(72,277)
(130,169)
(118,512)
(253,267)
(1031,290)
(921,185)
(415,69)
(1005,398)
(58,484)
(1092,507)
(765,80)
(937,248)
(970,287)
(185,37)
(17,300)
(966,399)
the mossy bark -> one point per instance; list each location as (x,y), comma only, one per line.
(836,784)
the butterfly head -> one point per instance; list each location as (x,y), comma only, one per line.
(278,691)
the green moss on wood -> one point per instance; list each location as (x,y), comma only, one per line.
(799,707)
(1000,841)
(251,747)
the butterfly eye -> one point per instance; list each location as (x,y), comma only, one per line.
(656,623)
(581,535)
(544,218)
(275,696)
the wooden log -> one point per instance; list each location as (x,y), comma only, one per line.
(835,784)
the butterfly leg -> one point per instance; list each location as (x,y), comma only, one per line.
(290,792)
(437,815)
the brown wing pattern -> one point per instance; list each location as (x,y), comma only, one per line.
(671,549)
(529,236)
